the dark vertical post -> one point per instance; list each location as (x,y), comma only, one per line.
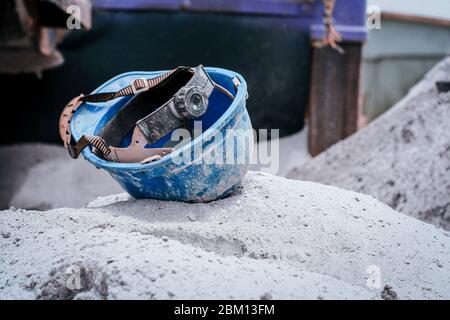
(334,105)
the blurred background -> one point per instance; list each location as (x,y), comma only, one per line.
(387,47)
(415,35)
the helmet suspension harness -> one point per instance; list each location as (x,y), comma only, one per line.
(158,105)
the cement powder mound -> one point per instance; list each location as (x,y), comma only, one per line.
(42,176)
(277,238)
(402,158)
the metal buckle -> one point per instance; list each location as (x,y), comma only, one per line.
(135,85)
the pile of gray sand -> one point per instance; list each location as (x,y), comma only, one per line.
(277,238)
(402,158)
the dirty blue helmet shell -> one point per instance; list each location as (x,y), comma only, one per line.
(226,128)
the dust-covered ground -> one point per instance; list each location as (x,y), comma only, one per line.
(42,176)
(277,238)
(402,158)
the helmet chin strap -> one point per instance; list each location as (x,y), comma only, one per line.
(189,101)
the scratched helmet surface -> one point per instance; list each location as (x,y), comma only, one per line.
(136,137)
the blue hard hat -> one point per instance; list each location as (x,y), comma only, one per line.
(207,165)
